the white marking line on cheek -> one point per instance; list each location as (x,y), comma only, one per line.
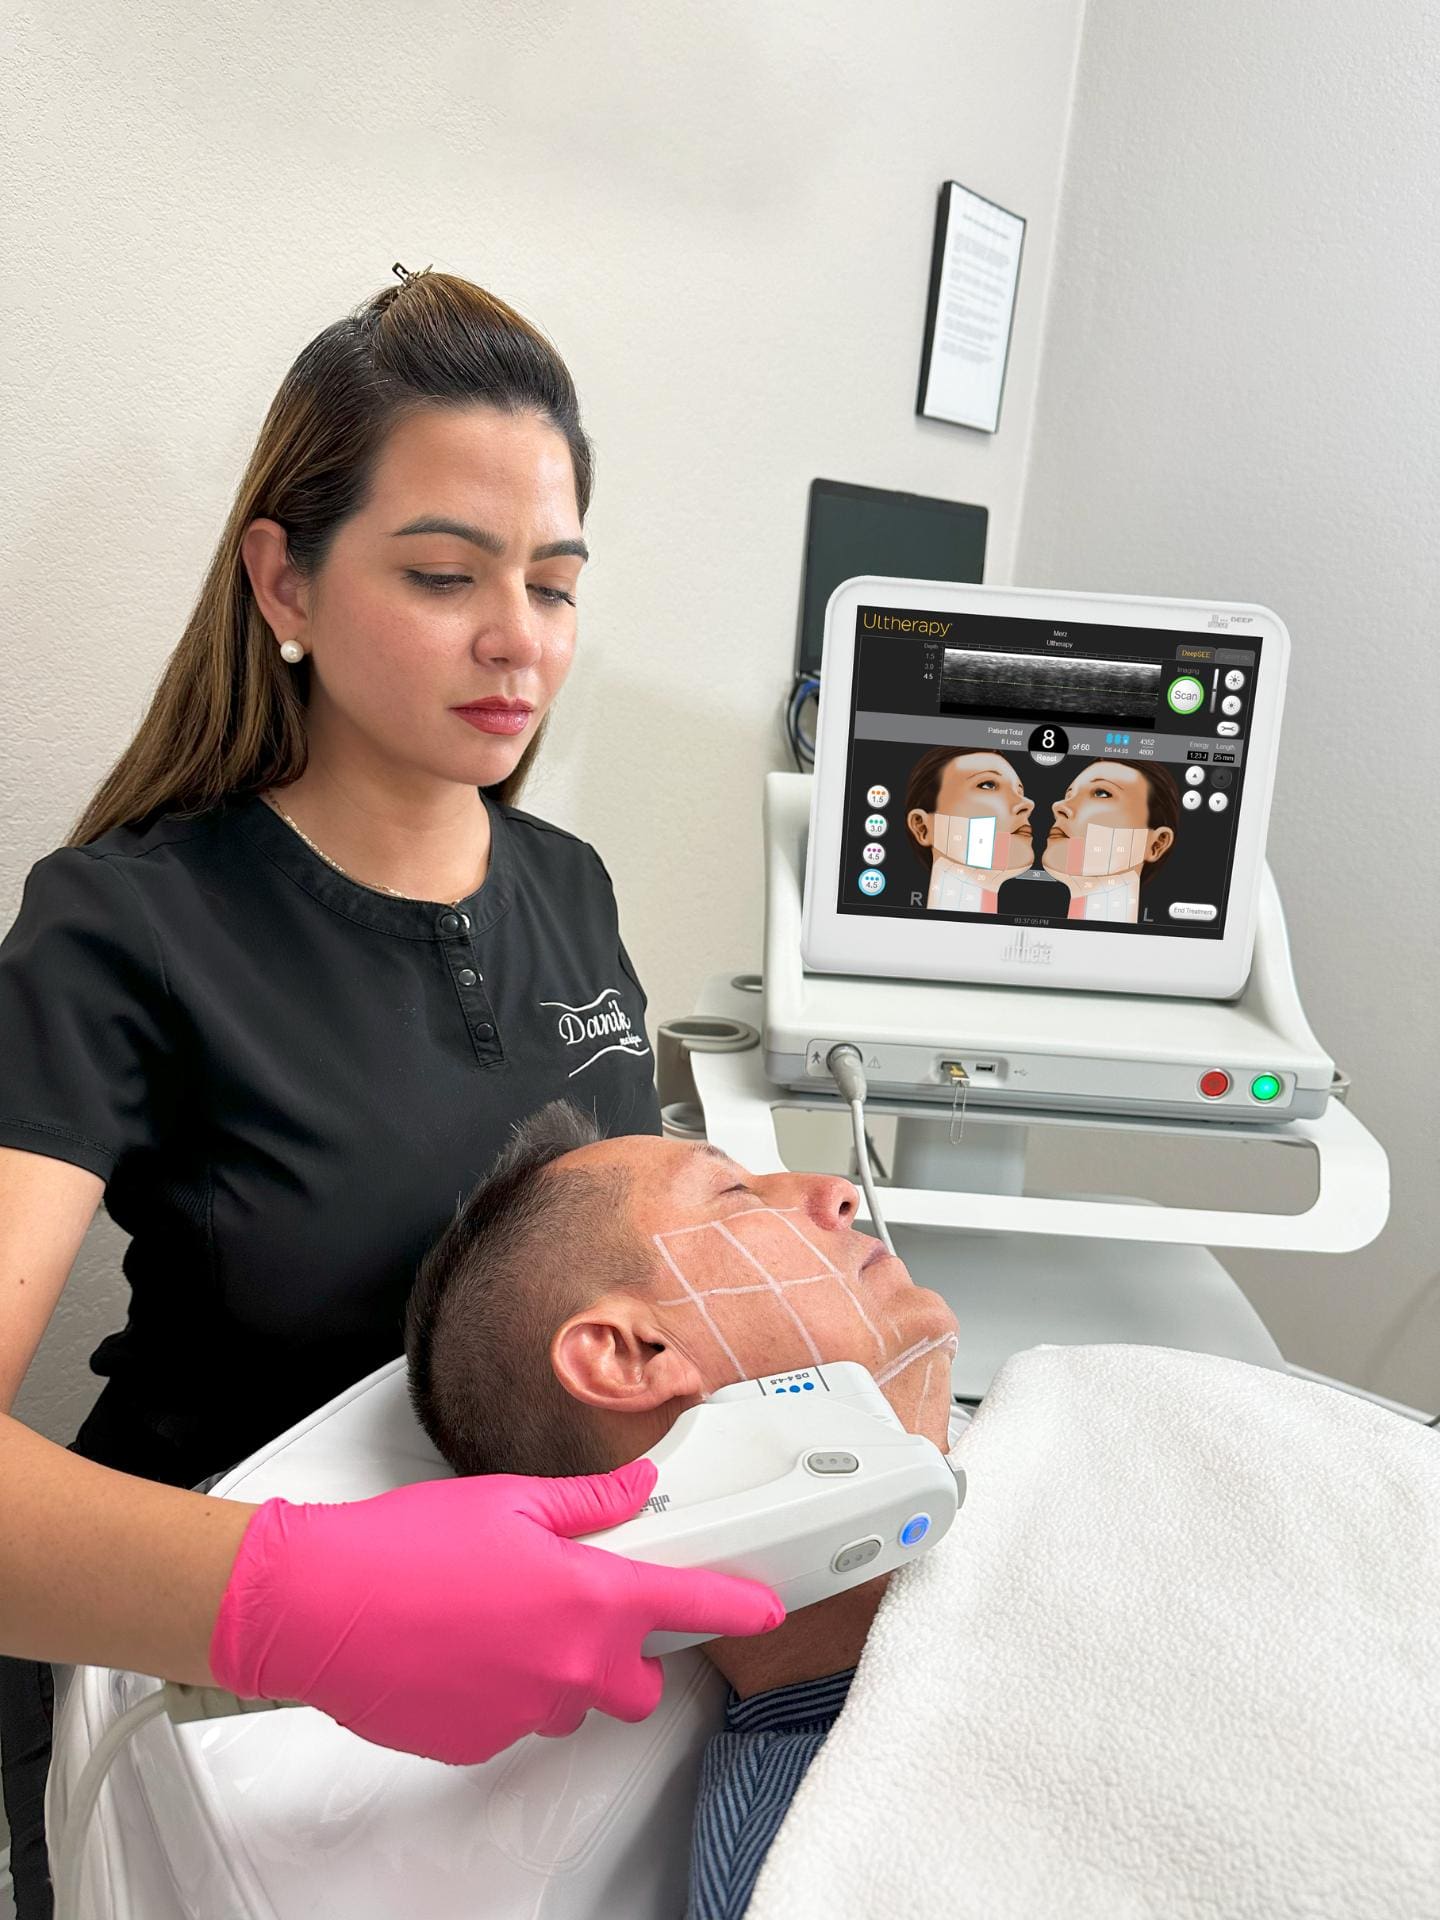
(695,1300)
(918,1352)
(708,1226)
(869,1323)
(710,1293)
(768,1285)
(775,1288)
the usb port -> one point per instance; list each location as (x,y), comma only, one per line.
(990,1067)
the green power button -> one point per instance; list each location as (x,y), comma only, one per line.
(1265,1086)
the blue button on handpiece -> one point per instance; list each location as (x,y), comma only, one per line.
(914,1531)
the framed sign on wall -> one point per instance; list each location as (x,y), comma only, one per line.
(974,271)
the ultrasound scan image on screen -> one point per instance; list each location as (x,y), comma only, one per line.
(1081,774)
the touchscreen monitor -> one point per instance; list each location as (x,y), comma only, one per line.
(1071,772)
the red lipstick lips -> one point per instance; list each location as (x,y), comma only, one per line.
(496,716)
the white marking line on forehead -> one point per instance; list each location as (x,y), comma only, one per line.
(774,1286)
(917,1352)
(696,1301)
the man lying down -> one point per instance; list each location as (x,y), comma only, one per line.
(587,1293)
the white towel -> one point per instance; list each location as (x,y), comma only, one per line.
(1178,1656)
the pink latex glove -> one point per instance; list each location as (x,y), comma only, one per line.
(453,1617)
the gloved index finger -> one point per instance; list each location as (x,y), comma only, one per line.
(591,1502)
(694,1600)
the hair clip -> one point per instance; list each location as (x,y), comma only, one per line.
(404,275)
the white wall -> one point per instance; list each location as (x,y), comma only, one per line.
(723,216)
(1239,400)
(724,220)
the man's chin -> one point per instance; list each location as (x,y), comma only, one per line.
(943,1308)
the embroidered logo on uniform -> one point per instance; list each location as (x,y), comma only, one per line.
(601,1026)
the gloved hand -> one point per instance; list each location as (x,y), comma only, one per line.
(452,1617)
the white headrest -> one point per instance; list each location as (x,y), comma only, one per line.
(284,1813)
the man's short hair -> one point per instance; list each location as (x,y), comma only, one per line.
(529,1246)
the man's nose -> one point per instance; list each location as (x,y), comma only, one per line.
(830,1201)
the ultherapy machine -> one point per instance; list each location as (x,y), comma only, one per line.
(1025,888)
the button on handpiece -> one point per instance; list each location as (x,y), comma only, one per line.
(832,1463)
(857,1554)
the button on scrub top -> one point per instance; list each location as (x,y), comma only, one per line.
(288,1081)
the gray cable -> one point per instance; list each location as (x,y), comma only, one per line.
(848,1071)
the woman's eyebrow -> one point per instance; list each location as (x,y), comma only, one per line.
(488,542)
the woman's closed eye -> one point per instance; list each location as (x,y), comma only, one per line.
(447,582)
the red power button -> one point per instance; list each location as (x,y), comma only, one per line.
(1213,1084)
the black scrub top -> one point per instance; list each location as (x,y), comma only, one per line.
(288,1081)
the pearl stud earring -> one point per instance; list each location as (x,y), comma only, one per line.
(292,651)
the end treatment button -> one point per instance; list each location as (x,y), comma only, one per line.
(1192,910)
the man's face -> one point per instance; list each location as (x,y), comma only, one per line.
(754,1274)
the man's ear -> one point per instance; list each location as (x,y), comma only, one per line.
(609,1356)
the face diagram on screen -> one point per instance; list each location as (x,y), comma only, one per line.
(1012,769)
(1114,826)
(968,812)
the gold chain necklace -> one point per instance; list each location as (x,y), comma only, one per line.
(394,892)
